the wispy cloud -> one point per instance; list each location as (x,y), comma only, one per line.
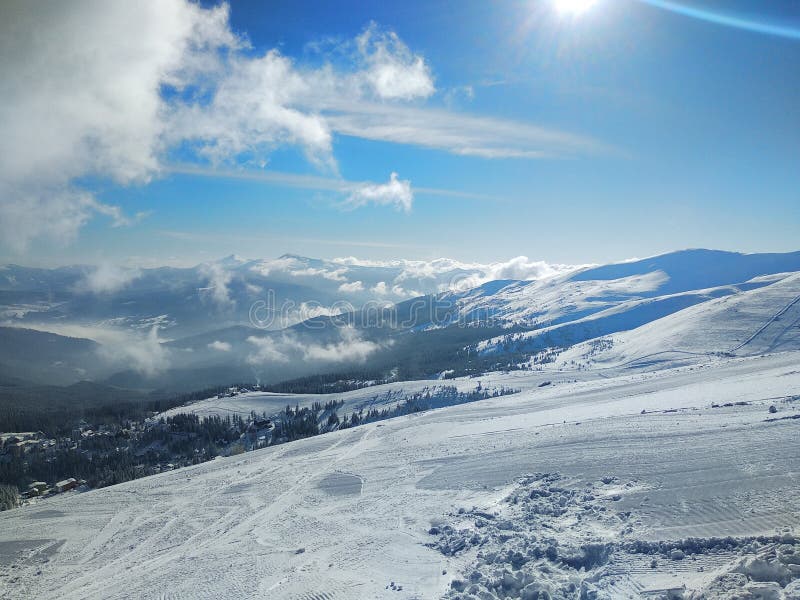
(141,351)
(199,236)
(312,182)
(459,133)
(218,279)
(107,278)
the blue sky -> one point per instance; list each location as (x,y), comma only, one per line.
(625,130)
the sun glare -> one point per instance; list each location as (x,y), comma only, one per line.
(573,7)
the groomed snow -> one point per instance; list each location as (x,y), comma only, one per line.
(360,513)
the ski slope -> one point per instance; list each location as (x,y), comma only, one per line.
(391,509)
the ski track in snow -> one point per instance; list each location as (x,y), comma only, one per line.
(348,514)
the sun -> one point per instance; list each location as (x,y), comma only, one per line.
(573,7)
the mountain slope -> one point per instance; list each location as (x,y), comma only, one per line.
(413,506)
(589,291)
(748,323)
(43,357)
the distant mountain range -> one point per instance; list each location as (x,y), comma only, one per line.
(271,320)
(187,301)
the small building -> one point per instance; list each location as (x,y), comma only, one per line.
(37,488)
(66,485)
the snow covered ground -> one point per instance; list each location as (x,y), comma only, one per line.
(754,321)
(587,487)
(379,396)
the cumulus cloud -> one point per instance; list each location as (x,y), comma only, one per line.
(446,274)
(395,192)
(98,105)
(255,107)
(352,287)
(94,105)
(220,346)
(282,264)
(522,267)
(267,350)
(107,278)
(350,347)
(143,353)
(393,71)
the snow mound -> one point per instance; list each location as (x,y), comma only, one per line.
(551,539)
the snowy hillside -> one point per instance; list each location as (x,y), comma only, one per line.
(764,319)
(633,485)
(753,322)
(694,275)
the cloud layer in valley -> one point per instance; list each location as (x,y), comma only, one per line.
(350,347)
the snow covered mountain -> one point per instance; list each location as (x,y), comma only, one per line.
(188,301)
(687,276)
(649,451)
(564,311)
(237,320)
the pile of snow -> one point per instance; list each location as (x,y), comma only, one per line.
(552,538)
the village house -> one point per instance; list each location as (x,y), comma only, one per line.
(66,485)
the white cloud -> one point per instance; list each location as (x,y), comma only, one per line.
(458,133)
(93,106)
(403,293)
(118,85)
(350,347)
(393,72)
(448,273)
(218,280)
(107,278)
(395,192)
(335,275)
(254,108)
(380,288)
(522,267)
(267,266)
(119,348)
(352,287)
(267,350)
(312,182)
(220,346)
